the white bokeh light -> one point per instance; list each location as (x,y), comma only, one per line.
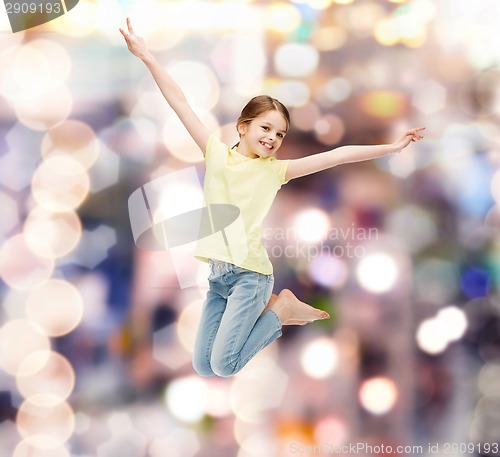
(378,395)
(282,17)
(198,82)
(377,272)
(435,334)
(454,321)
(171,205)
(311,225)
(186,398)
(432,336)
(319,358)
(296,60)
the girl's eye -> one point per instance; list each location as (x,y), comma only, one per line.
(280,135)
(265,127)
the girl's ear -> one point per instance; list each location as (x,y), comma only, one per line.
(242,128)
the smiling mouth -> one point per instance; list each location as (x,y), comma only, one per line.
(266,145)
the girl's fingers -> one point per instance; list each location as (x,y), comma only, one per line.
(415,133)
(130,28)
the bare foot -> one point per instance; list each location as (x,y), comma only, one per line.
(292,311)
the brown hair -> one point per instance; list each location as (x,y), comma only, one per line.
(261,105)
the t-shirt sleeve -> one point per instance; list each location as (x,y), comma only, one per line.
(281,166)
(208,150)
(214,147)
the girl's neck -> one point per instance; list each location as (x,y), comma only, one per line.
(243,149)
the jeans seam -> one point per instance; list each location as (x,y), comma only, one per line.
(276,317)
(211,338)
(263,345)
(266,342)
(231,360)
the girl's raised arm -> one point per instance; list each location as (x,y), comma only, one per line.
(347,154)
(168,87)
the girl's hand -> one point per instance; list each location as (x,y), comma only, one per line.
(136,44)
(409,137)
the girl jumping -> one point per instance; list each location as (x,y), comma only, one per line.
(240,314)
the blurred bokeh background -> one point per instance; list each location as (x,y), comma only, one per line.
(404,252)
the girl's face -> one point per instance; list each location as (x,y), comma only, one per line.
(263,136)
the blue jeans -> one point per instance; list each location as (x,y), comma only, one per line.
(231,329)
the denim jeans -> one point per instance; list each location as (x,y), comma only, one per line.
(231,329)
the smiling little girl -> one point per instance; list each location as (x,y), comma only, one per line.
(240,315)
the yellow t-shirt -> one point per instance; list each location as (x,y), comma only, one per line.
(239,192)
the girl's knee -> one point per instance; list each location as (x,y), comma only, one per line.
(223,368)
(202,368)
(216,367)
(225,363)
